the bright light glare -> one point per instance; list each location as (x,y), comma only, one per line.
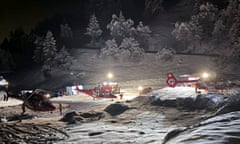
(140,88)
(205,75)
(47,95)
(110,75)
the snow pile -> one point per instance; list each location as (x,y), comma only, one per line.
(174,93)
(220,129)
(185,97)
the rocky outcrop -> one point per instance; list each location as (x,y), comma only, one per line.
(217,129)
(233,104)
(74,117)
(207,102)
(116,109)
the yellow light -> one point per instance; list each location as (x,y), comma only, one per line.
(140,88)
(205,75)
(110,75)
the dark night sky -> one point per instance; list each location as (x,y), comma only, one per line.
(26,13)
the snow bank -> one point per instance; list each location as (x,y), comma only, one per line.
(185,97)
(221,129)
(10,102)
(174,93)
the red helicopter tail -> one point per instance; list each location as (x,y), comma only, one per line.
(171,80)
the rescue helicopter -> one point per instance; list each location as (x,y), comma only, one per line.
(189,80)
(200,82)
(37,100)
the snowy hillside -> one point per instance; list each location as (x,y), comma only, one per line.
(89,70)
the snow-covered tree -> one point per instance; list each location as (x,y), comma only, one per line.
(49,51)
(120,28)
(133,48)
(218,31)
(111,48)
(143,35)
(206,18)
(227,31)
(182,32)
(63,59)
(165,54)
(153,7)
(126,39)
(47,55)
(199,29)
(38,54)
(93,29)
(196,7)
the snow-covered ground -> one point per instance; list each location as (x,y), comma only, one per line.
(174,93)
(139,127)
(223,129)
(10,102)
(145,127)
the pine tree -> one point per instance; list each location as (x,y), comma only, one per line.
(182,32)
(49,47)
(218,31)
(143,34)
(49,51)
(47,55)
(126,40)
(38,53)
(120,28)
(165,54)
(153,7)
(111,48)
(93,29)
(133,47)
(199,29)
(63,59)
(66,35)
(206,18)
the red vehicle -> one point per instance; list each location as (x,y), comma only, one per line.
(105,90)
